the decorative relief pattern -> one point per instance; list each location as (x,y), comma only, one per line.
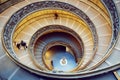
(48,29)
(15,18)
(115,19)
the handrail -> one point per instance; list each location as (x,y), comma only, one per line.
(60,15)
(69,8)
(115,27)
(96,8)
(59,28)
(10,26)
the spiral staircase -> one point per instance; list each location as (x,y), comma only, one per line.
(82,35)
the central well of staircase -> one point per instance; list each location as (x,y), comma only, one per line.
(57,48)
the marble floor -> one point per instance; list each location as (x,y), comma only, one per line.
(64,61)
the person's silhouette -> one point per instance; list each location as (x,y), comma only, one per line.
(23,44)
(56,16)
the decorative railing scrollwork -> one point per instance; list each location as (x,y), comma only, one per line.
(22,13)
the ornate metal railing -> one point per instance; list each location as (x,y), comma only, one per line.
(115,28)
(114,18)
(20,14)
(16,17)
(76,44)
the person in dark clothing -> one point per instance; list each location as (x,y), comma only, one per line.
(23,44)
(18,45)
(56,16)
(52,62)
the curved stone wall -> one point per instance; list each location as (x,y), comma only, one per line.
(10,26)
(4,4)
